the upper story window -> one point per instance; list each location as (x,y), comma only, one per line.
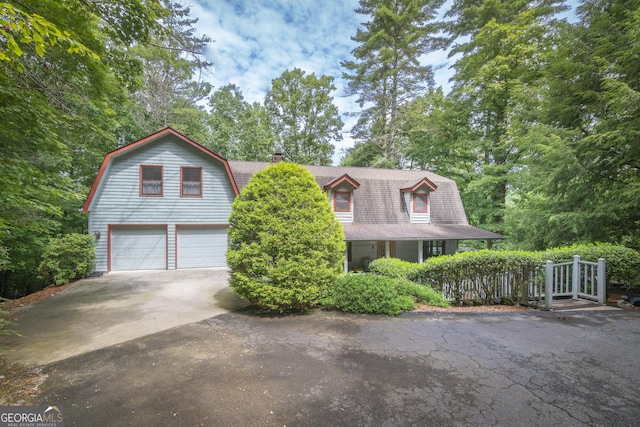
(342,201)
(151,180)
(420,202)
(191,181)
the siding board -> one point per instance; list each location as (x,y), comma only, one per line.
(117,200)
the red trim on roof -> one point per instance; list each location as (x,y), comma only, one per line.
(143,141)
(340,180)
(423,181)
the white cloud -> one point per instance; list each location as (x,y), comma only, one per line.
(257,40)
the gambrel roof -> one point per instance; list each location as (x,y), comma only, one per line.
(154,137)
(380,211)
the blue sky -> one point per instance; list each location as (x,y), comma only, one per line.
(255,41)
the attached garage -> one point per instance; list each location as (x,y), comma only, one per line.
(138,248)
(201,246)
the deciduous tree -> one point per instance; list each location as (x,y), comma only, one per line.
(303,116)
(239,130)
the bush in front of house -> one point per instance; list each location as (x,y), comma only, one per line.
(479,275)
(368,293)
(286,245)
(423,294)
(395,268)
(622,263)
(67,258)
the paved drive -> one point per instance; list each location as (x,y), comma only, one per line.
(331,369)
(177,348)
(116,307)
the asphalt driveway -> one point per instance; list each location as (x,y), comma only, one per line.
(117,307)
(178,348)
(332,369)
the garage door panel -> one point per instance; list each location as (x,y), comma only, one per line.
(138,248)
(201,247)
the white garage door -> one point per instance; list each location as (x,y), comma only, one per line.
(201,247)
(138,248)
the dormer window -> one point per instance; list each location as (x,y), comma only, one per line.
(420,202)
(150,180)
(416,198)
(340,192)
(342,201)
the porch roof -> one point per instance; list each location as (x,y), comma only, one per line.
(417,232)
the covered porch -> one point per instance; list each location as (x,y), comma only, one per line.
(409,242)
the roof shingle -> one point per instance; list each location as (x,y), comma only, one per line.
(380,212)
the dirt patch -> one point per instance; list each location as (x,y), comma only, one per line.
(17,306)
(422,308)
(20,385)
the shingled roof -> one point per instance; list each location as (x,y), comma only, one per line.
(380,212)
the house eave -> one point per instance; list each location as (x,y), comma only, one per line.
(413,186)
(344,178)
(415,232)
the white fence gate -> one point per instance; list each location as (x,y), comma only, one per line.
(580,280)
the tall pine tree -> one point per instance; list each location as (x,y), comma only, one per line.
(388,71)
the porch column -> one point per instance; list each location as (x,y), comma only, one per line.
(346,261)
(420,251)
(387,249)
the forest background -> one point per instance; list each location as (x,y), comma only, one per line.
(540,130)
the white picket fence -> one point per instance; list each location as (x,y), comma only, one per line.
(580,280)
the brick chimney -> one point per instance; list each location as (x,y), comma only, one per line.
(277,157)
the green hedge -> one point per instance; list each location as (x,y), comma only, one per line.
(67,258)
(483,275)
(422,294)
(395,268)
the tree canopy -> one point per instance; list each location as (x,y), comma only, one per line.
(540,128)
(303,116)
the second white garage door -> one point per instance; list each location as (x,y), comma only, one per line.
(200,247)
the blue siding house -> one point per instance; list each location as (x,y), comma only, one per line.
(162,202)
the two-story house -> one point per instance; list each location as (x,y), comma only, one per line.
(411,215)
(163,202)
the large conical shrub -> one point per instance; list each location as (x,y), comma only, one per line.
(286,246)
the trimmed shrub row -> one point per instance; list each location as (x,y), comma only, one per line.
(508,273)
(395,268)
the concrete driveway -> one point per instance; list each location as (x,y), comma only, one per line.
(117,307)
